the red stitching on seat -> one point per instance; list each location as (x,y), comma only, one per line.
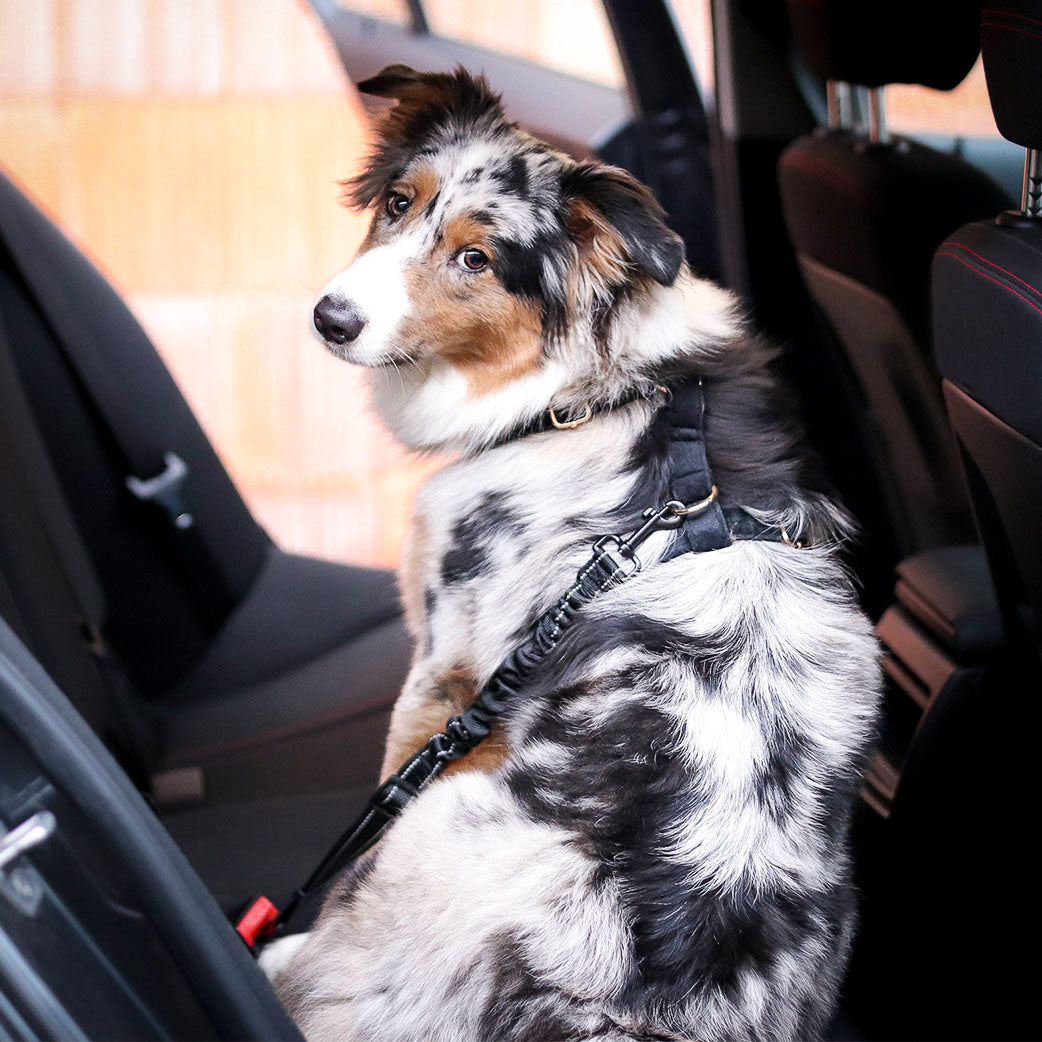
(997,267)
(1011,28)
(985,275)
(1008,14)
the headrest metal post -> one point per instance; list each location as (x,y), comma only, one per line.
(832,104)
(877,129)
(845,109)
(1031,196)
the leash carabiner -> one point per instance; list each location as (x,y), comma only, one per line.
(622,549)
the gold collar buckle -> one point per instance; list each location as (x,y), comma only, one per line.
(567,425)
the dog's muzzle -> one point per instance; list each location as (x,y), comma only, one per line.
(336,322)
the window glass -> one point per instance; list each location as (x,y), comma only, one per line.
(571,36)
(964,111)
(694,20)
(390,10)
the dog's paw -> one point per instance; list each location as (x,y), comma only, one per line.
(275,957)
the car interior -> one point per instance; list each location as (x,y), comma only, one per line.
(176,690)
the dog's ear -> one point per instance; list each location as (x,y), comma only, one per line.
(427,101)
(617,223)
(404,84)
(388,81)
(458,92)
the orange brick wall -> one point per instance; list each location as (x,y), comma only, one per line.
(194,148)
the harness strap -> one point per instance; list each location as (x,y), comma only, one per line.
(690,478)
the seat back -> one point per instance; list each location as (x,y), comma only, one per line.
(107,408)
(987,286)
(865,212)
(49,593)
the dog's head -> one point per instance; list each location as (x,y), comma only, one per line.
(489,251)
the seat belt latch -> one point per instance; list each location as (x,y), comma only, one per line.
(164,489)
(257,922)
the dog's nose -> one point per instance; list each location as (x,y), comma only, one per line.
(338,323)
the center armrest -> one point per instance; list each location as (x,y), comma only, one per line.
(949,590)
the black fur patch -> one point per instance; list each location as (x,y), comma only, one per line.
(522,268)
(472,538)
(685,941)
(520,1007)
(513,177)
(631,209)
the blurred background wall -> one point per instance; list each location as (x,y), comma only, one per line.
(193,148)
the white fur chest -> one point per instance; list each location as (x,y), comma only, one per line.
(495,540)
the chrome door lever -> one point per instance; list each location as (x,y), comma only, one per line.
(29,834)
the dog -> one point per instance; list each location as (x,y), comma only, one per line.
(653,842)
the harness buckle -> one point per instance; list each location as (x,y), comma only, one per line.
(621,553)
(257,922)
(622,549)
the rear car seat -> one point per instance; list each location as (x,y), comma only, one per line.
(987,283)
(249,687)
(865,211)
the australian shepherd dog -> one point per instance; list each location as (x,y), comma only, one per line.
(653,843)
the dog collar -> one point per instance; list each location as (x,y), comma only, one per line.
(550,419)
(707,524)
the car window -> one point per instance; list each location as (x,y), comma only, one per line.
(194,151)
(694,20)
(396,11)
(571,36)
(964,111)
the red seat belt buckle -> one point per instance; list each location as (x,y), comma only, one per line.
(257,921)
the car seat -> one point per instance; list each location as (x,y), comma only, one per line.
(246,688)
(987,286)
(865,211)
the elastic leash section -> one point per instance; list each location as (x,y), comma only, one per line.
(613,561)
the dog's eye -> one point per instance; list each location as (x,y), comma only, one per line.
(472,259)
(397,204)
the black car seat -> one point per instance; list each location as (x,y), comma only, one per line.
(865,211)
(247,688)
(987,280)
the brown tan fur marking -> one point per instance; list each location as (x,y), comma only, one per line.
(602,255)
(449,694)
(489,334)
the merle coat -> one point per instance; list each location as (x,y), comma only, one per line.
(654,843)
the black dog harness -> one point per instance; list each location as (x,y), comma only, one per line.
(701,524)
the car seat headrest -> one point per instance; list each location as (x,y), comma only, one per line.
(1011,41)
(929,42)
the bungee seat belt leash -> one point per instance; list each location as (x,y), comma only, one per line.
(701,524)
